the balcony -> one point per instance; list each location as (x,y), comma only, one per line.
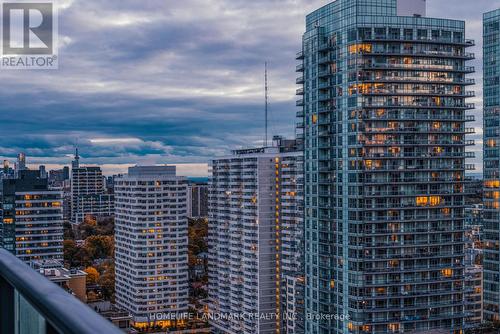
(30,303)
(299,55)
(424,40)
(423,53)
(419,67)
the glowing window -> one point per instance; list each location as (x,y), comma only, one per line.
(447,272)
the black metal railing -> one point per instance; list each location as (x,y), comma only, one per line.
(30,303)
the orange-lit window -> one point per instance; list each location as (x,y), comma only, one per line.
(356,48)
(394,150)
(438,149)
(422,201)
(392,125)
(447,272)
(491,143)
(332,284)
(434,200)
(393,327)
(314,119)
(446,211)
(8,220)
(492,184)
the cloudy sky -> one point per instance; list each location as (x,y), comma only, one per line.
(167,81)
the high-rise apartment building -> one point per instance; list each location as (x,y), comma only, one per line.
(58,176)
(255,240)
(87,187)
(32,218)
(151,238)
(473,296)
(491,165)
(98,205)
(384,114)
(197,200)
(21,162)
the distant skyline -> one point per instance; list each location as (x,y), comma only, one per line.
(161,82)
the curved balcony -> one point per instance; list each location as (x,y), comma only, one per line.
(425,53)
(413,180)
(418,143)
(423,105)
(419,80)
(418,67)
(387,92)
(25,294)
(402,156)
(417,130)
(426,40)
(417,117)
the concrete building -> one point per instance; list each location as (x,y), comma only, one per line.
(21,162)
(72,280)
(151,239)
(197,200)
(98,205)
(383,106)
(473,296)
(57,177)
(87,186)
(43,172)
(118,317)
(491,163)
(32,218)
(255,239)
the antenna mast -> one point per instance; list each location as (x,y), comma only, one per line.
(266,105)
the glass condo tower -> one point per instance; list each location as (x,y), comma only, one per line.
(491,119)
(383,108)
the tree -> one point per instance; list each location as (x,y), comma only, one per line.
(92,275)
(70,251)
(107,281)
(99,246)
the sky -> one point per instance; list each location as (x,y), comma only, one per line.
(172,82)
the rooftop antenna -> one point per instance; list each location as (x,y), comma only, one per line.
(266,105)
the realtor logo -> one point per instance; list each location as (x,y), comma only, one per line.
(29,34)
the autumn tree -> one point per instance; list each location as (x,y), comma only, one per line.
(107,280)
(100,246)
(92,275)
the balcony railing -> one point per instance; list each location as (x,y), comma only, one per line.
(30,303)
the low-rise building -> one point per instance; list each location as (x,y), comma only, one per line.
(72,280)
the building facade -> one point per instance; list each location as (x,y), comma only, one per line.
(384,114)
(86,183)
(98,205)
(491,165)
(197,200)
(255,239)
(32,218)
(473,296)
(151,237)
